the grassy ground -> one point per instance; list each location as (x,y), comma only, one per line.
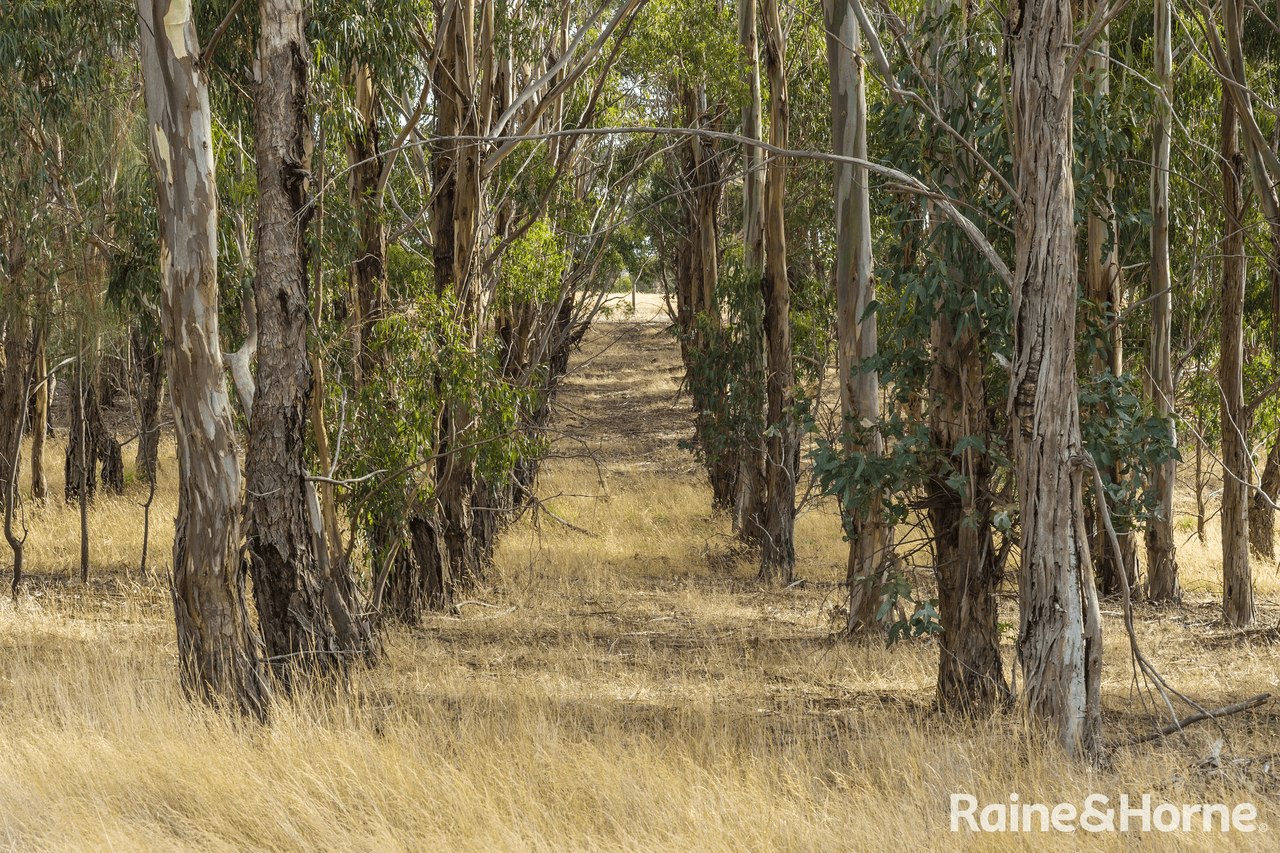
(623,684)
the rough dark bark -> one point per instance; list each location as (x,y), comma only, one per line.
(106,448)
(287,584)
(1060,639)
(12,400)
(970,669)
(217,649)
(101,454)
(455,167)
(79,465)
(698,272)
(967,564)
(778,555)
(151,361)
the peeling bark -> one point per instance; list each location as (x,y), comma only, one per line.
(1060,639)
(217,648)
(870,539)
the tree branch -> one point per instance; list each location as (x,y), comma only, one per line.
(206,55)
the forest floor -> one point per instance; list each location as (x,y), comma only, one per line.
(622,682)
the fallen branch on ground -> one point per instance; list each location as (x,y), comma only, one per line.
(1179,725)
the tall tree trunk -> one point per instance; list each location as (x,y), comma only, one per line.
(12,401)
(369,269)
(40,421)
(967,566)
(1162,564)
(1103,289)
(79,467)
(778,554)
(752,157)
(1259,154)
(217,649)
(1060,640)
(286,580)
(970,670)
(455,219)
(751,485)
(1237,581)
(151,360)
(870,539)
(702,175)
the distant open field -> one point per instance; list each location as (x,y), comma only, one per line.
(622,683)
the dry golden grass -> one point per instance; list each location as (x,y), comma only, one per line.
(115,522)
(630,688)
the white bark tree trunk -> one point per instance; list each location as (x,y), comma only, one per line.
(217,649)
(870,540)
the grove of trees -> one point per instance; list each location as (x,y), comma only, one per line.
(1037,245)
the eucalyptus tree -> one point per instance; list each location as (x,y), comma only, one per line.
(471,104)
(1060,639)
(1228,52)
(962,507)
(217,647)
(496,89)
(1237,581)
(302,622)
(65,121)
(1103,288)
(1162,565)
(686,52)
(870,538)
(778,556)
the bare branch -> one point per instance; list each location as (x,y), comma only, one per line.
(1179,725)
(206,55)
